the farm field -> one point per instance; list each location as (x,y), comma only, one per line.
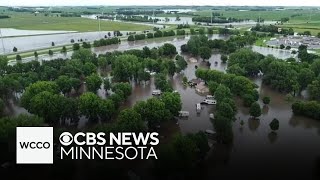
(28,21)
(300,19)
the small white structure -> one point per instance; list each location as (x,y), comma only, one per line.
(184,113)
(210,101)
(156,92)
(209,97)
(211,116)
(210,132)
(202,88)
(198,107)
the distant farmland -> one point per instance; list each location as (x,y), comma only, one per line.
(29,21)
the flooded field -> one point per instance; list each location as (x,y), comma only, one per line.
(28,43)
(177,41)
(7,32)
(183,20)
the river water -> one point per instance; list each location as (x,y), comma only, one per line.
(291,152)
(27,43)
(183,20)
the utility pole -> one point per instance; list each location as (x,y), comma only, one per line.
(2,41)
(100,25)
(153,17)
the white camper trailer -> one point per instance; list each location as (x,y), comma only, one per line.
(210,101)
(183,113)
(156,92)
(198,107)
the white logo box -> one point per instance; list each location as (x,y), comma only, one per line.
(34,155)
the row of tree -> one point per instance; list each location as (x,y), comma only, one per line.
(272,29)
(309,109)
(105,42)
(200,45)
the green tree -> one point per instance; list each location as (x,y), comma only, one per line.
(18,57)
(171,67)
(184,80)
(315,66)
(193,45)
(212,86)
(8,125)
(282,46)
(255,110)
(237,70)
(172,102)
(223,128)
(37,88)
(106,84)
(248,100)
(161,83)
(90,106)
(181,63)
(314,89)
(2,107)
(222,92)
(130,121)
(64,49)
(274,125)
(225,109)
(131,38)
(169,49)
(153,111)
(125,88)
(64,83)
(266,100)
(3,65)
(36,54)
(224,58)
(50,52)
(205,53)
(76,46)
(15,49)
(123,69)
(51,112)
(93,83)
(305,77)
(85,55)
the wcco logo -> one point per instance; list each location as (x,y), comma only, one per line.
(34,145)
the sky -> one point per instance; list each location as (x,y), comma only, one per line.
(160,2)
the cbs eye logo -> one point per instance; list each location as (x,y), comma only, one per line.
(66,138)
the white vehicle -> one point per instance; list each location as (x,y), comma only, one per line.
(198,107)
(210,102)
(184,113)
(209,97)
(156,92)
(210,132)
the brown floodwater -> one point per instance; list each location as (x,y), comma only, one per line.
(290,152)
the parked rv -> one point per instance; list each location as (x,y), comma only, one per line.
(156,92)
(198,107)
(183,113)
(209,102)
(209,97)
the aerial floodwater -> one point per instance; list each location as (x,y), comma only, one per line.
(216,92)
(9,32)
